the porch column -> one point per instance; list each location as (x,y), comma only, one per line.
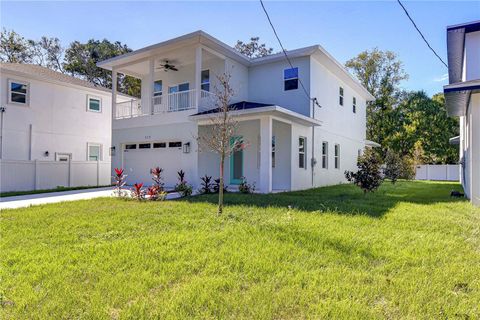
(114,93)
(148,101)
(198,74)
(266,154)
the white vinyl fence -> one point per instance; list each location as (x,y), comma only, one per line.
(446,172)
(20,175)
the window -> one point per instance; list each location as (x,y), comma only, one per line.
(94,152)
(180,87)
(144,145)
(130,146)
(302,152)
(159,145)
(176,144)
(337,156)
(325,155)
(63,157)
(157,88)
(354,105)
(340,96)
(205,80)
(18,92)
(94,104)
(290,79)
(273,151)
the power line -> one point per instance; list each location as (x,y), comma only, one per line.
(286,55)
(421,34)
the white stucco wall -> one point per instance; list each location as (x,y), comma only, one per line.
(472,56)
(470,149)
(59,119)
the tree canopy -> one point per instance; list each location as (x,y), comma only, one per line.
(253,49)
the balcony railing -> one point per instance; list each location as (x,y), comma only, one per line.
(173,102)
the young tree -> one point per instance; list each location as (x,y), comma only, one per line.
(253,49)
(368,176)
(14,48)
(223,125)
(393,166)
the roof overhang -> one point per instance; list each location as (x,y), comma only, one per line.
(454,140)
(197,37)
(372,144)
(457,96)
(273,110)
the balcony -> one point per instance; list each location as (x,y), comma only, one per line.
(173,102)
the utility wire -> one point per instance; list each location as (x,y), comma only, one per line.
(421,34)
(286,55)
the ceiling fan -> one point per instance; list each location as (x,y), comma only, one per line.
(167,65)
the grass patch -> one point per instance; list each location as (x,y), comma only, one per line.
(407,251)
(57,189)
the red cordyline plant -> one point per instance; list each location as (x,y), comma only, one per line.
(153,193)
(157,178)
(119,178)
(137,191)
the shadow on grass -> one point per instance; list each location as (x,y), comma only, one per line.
(346,198)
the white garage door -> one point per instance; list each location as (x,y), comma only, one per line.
(141,157)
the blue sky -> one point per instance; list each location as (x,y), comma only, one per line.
(343,28)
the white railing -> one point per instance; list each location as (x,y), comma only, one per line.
(128,109)
(173,102)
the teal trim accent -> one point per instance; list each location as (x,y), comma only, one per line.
(232,161)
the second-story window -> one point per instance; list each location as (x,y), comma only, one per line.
(354,105)
(157,88)
(290,79)
(205,80)
(340,96)
(94,104)
(18,92)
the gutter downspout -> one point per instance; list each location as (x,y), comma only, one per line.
(313,160)
(2,111)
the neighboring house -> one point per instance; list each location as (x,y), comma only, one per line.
(50,116)
(285,133)
(462,96)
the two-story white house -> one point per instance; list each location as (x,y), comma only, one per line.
(462,96)
(48,117)
(292,143)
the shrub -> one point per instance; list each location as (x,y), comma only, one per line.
(368,177)
(137,191)
(206,186)
(154,193)
(245,187)
(182,186)
(157,178)
(216,186)
(119,178)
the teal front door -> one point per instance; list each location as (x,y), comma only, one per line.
(236,162)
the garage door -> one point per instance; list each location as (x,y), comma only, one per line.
(139,158)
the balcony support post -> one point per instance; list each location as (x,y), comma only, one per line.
(198,74)
(114,93)
(148,101)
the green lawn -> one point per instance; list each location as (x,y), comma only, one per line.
(407,251)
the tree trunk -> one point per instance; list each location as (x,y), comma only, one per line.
(220,191)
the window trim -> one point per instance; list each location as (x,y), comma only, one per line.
(27,95)
(325,155)
(90,97)
(336,155)
(288,79)
(341,95)
(304,164)
(204,83)
(94,144)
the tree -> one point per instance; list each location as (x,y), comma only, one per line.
(47,52)
(393,166)
(381,73)
(220,139)
(368,176)
(14,48)
(81,61)
(253,49)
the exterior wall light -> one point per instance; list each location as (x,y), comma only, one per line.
(46,153)
(112,151)
(186,147)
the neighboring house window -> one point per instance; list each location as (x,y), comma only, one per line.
(144,146)
(18,92)
(130,146)
(340,96)
(94,104)
(302,152)
(325,155)
(290,79)
(354,105)
(205,80)
(94,152)
(157,145)
(273,151)
(176,144)
(337,156)
(157,88)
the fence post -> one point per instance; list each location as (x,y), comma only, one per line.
(98,172)
(428,175)
(35,186)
